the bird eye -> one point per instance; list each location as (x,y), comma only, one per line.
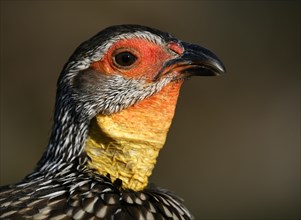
(125,59)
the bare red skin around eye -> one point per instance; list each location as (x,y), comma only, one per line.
(150,58)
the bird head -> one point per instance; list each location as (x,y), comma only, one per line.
(124,84)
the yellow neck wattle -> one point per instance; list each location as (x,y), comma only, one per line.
(126,144)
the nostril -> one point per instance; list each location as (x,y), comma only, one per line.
(175,47)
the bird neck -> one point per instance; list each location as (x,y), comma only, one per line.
(65,148)
(125,145)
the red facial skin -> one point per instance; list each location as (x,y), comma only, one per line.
(150,58)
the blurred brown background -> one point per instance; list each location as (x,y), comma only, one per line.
(233,151)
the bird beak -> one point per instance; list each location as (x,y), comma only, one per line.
(194,61)
(201,61)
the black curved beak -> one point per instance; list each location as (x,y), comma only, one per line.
(200,61)
(194,61)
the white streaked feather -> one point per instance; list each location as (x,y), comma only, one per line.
(54,194)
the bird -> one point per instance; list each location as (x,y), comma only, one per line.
(115,101)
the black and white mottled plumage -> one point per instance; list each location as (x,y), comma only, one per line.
(61,186)
(80,195)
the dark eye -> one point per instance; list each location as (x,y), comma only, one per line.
(125,59)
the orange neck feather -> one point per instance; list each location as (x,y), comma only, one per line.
(126,144)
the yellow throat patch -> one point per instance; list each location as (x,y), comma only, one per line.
(126,144)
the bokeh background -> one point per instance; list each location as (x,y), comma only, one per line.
(233,151)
